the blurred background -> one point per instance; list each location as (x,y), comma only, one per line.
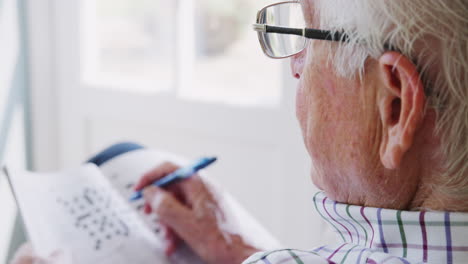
(185,76)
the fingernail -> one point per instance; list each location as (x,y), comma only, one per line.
(147,209)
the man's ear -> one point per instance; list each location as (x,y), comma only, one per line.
(401,106)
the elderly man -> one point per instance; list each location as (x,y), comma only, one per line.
(382,101)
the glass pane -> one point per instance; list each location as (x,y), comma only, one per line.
(224,62)
(128,44)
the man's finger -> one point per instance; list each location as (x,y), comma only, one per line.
(193,188)
(171,239)
(164,204)
(155,174)
(172,213)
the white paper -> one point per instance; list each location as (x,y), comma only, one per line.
(79,212)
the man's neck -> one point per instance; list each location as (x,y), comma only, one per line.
(434,200)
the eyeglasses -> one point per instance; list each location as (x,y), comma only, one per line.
(282,30)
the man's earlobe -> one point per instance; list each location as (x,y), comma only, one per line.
(401,106)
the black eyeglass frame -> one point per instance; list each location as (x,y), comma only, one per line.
(309,33)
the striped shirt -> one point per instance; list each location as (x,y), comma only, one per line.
(376,235)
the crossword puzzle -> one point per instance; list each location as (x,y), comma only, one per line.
(95,214)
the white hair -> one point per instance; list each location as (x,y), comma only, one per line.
(432,33)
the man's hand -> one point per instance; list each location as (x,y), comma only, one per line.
(26,255)
(191,212)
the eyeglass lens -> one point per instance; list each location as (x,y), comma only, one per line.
(282,15)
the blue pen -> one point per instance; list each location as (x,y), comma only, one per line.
(180,174)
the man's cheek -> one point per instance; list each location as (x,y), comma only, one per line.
(300,103)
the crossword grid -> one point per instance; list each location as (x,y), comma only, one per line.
(94,214)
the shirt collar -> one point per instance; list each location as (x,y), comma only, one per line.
(423,235)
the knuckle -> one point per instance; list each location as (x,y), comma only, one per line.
(165,201)
(165,206)
(160,202)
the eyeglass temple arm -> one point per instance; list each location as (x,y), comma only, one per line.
(305,32)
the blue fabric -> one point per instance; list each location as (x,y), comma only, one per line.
(114,151)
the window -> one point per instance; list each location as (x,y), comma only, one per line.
(98,79)
(201,50)
(12,138)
